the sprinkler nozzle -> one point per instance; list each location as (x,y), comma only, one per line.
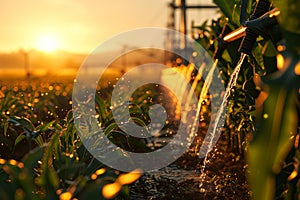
(267,25)
(247,44)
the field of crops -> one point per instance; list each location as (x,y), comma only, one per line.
(257,156)
(42,157)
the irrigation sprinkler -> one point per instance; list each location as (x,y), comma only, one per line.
(262,22)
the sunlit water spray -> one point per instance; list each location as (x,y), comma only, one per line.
(203,93)
(186,72)
(193,87)
(210,138)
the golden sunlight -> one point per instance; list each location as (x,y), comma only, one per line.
(130,177)
(47,43)
(111,190)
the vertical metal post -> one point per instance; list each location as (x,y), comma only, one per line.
(183,23)
(183,17)
(26,64)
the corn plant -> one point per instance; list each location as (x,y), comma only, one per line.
(56,165)
(273,126)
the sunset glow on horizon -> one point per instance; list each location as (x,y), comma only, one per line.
(76,26)
(47,43)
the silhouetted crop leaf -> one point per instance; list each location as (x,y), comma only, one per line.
(44,127)
(277,127)
(231,9)
(5,127)
(19,139)
(49,178)
(25,123)
(269,53)
(269,50)
(289,15)
(31,159)
(110,128)
(69,116)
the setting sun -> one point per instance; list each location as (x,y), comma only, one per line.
(47,43)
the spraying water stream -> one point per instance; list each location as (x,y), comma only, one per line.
(211,138)
(203,94)
(191,93)
(194,85)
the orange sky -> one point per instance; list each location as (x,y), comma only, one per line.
(75,25)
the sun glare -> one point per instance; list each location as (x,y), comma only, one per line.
(47,43)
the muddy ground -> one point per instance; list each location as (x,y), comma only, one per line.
(224,178)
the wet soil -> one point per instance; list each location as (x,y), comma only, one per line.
(224,178)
